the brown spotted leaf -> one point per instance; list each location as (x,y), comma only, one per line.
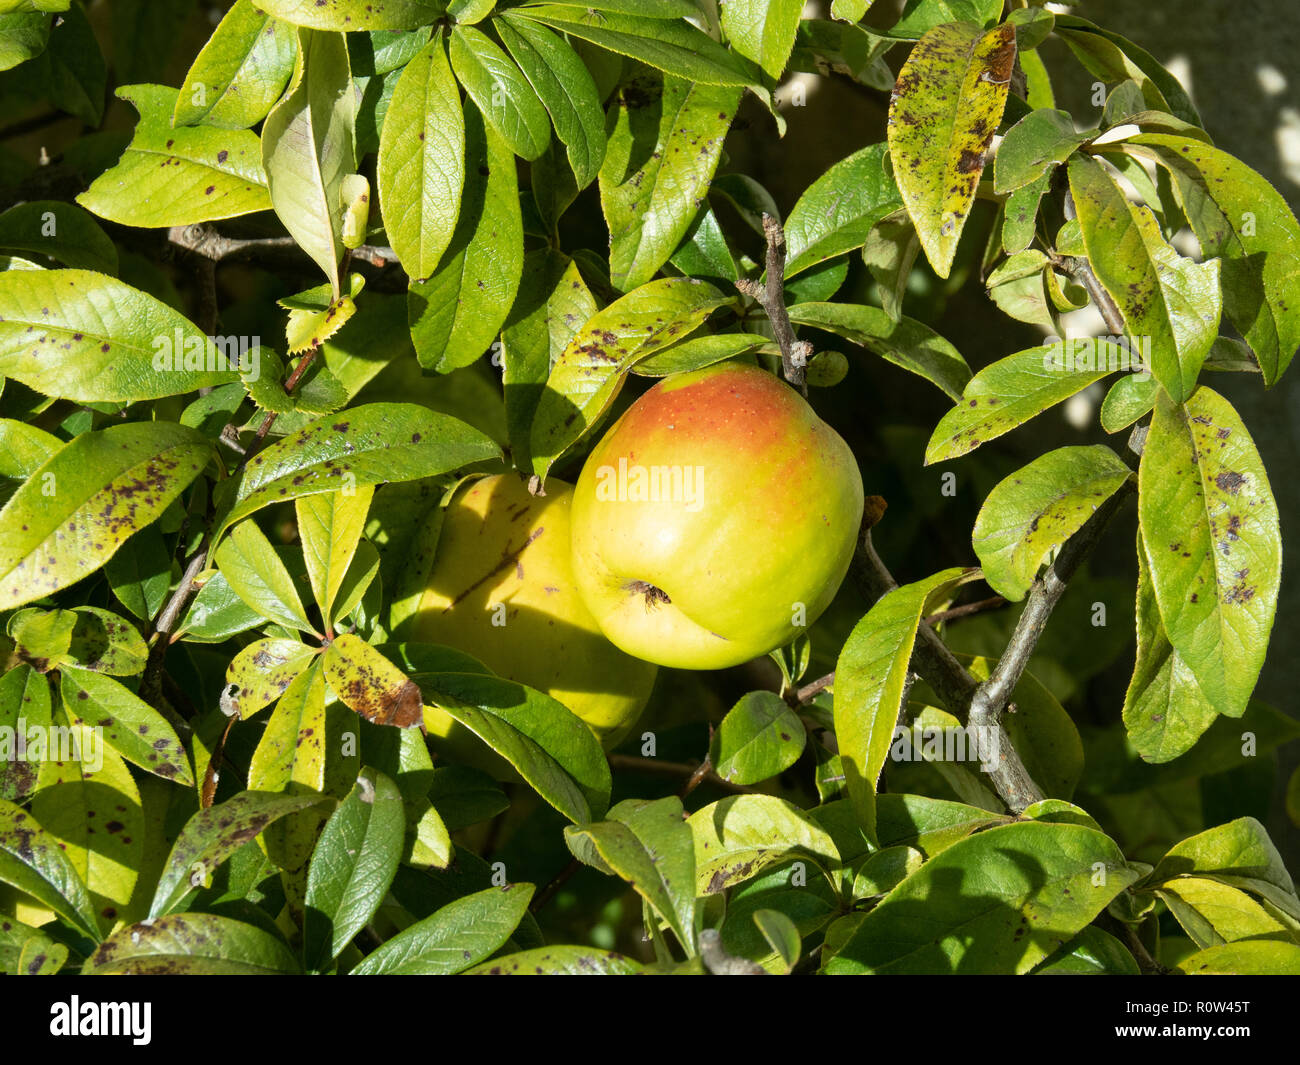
(178,176)
(1009,392)
(945,107)
(739,836)
(80,506)
(91,805)
(371,685)
(33,861)
(1210,525)
(213,835)
(587,376)
(1237,215)
(192,944)
(126,723)
(1172,300)
(261,672)
(365,445)
(1164,710)
(74,334)
(1037,508)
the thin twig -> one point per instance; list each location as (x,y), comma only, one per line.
(206,242)
(701,773)
(795,353)
(813,688)
(558,881)
(151,681)
(966,610)
(951,681)
(658,767)
(989,702)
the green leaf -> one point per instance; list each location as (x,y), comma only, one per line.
(82,336)
(565,87)
(1162,295)
(1091,952)
(552,749)
(1129,398)
(1210,525)
(997,902)
(129,725)
(699,352)
(290,757)
(838,211)
(588,374)
(353,866)
(664,146)
(885,870)
(648,9)
(553,304)
(374,443)
(738,836)
(1031,148)
(1239,853)
(216,613)
(183,944)
(929,825)
(648,844)
(1009,392)
(72,67)
(1031,513)
(330,527)
(502,94)
(1020,215)
(421,163)
(903,341)
(354,15)
(1262,957)
(369,684)
(213,835)
(62,231)
(255,574)
(140,573)
(24,449)
(106,485)
(1114,58)
(1165,712)
(763,30)
(176,177)
(560,961)
(869,677)
(309,147)
(1240,218)
(34,862)
(704,251)
(240,73)
(759,738)
(675,47)
(453,938)
(22,36)
(919,16)
(455,315)
(91,806)
(889,253)
(1213,913)
(945,107)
